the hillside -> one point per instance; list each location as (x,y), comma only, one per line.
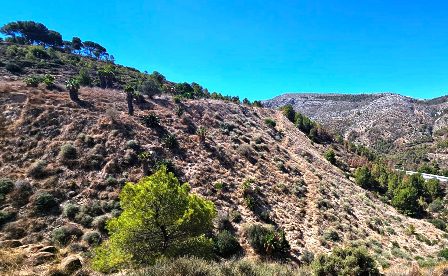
(414,131)
(82,154)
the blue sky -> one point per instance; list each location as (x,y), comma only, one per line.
(260,49)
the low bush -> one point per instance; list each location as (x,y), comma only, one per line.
(68,151)
(331,235)
(438,223)
(202,133)
(266,240)
(70,210)
(38,169)
(6,216)
(6,186)
(170,142)
(13,68)
(92,238)
(99,223)
(151,120)
(21,193)
(38,52)
(444,253)
(270,123)
(44,203)
(32,81)
(345,261)
(225,244)
(330,156)
(64,234)
(48,80)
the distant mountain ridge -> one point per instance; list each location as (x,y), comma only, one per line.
(384,121)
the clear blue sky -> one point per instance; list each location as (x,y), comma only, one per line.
(259,49)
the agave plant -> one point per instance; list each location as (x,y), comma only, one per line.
(72,86)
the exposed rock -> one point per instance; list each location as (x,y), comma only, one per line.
(42,257)
(70,264)
(10,244)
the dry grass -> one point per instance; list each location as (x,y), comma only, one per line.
(11,261)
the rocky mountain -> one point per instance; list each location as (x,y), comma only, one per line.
(388,123)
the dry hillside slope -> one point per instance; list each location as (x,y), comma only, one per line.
(301,192)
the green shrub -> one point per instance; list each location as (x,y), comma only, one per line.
(6,217)
(345,261)
(84,219)
(21,193)
(288,112)
(32,81)
(438,223)
(330,156)
(64,234)
(92,238)
(331,235)
(6,186)
(170,142)
(436,206)
(70,210)
(153,206)
(151,120)
(270,122)
(38,52)
(444,253)
(202,133)
(48,80)
(44,203)
(235,216)
(13,68)
(68,151)
(266,240)
(100,223)
(84,78)
(72,86)
(225,244)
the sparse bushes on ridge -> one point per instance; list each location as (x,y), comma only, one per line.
(38,169)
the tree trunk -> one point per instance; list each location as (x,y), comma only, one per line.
(129,98)
(73,95)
